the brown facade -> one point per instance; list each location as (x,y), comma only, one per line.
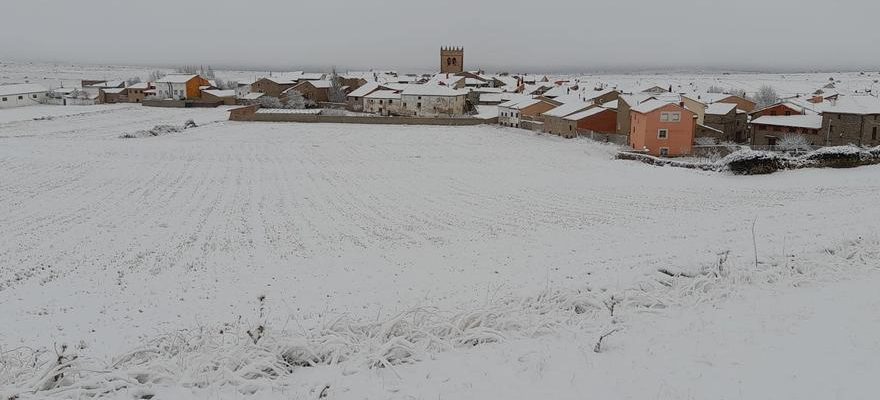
(451,60)
(768,135)
(136,95)
(778,109)
(741,103)
(270,87)
(113,97)
(309,91)
(733,125)
(859,129)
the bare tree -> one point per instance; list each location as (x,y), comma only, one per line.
(337,94)
(132,81)
(793,141)
(739,93)
(156,75)
(766,96)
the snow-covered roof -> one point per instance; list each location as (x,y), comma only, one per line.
(279,80)
(611,104)
(797,121)
(706,98)
(432,90)
(635,99)
(113,90)
(855,105)
(140,85)
(24,88)
(586,113)
(220,93)
(650,105)
(319,84)
(594,94)
(288,111)
(311,76)
(567,109)
(176,78)
(383,94)
(364,90)
(253,96)
(720,108)
(490,97)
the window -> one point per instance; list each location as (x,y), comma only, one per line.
(874,133)
(4,99)
(380,102)
(670,117)
(788,113)
(389,101)
(34,96)
(662,134)
(664,151)
(418,105)
(21,97)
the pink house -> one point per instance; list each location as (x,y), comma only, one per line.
(661,128)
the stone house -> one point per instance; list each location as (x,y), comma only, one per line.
(433,101)
(768,130)
(138,91)
(624,104)
(555,122)
(383,102)
(661,128)
(314,90)
(592,120)
(354,101)
(728,119)
(272,86)
(113,95)
(852,120)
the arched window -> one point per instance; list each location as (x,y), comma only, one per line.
(449,61)
(453,61)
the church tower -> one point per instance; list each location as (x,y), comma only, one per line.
(451,60)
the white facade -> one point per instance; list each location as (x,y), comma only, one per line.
(173,86)
(383,102)
(508,116)
(22,95)
(433,101)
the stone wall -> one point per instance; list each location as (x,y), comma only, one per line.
(249,114)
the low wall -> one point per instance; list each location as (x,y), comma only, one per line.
(604,137)
(249,114)
(165,103)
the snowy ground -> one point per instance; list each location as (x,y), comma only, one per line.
(109,242)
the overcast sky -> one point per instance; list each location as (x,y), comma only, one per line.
(544,35)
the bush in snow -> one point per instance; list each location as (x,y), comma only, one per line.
(793,141)
(751,162)
(270,102)
(705,141)
(839,157)
(159,130)
(296,101)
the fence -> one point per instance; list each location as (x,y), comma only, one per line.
(604,137)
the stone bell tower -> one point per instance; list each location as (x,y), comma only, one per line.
(451,60)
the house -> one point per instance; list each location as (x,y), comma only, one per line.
(592,120)
(137,92)
(768,130)
(433,101)
(661,128)
(383,102)
(180,86)
(272,86)
(524,109)
(22,95)
(624,104)
(227,97)
(355,100)
(314,90)
(242,89)
(781,108)
(852,120)
(554,119)
(113,95)
(729,120)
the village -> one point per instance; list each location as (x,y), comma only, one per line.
(660,119)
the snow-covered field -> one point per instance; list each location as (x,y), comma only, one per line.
(110,243)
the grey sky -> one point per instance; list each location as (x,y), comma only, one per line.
(549,35)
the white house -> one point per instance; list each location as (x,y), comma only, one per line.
(21,95)
(179,86)
(383,102)
(433,101)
